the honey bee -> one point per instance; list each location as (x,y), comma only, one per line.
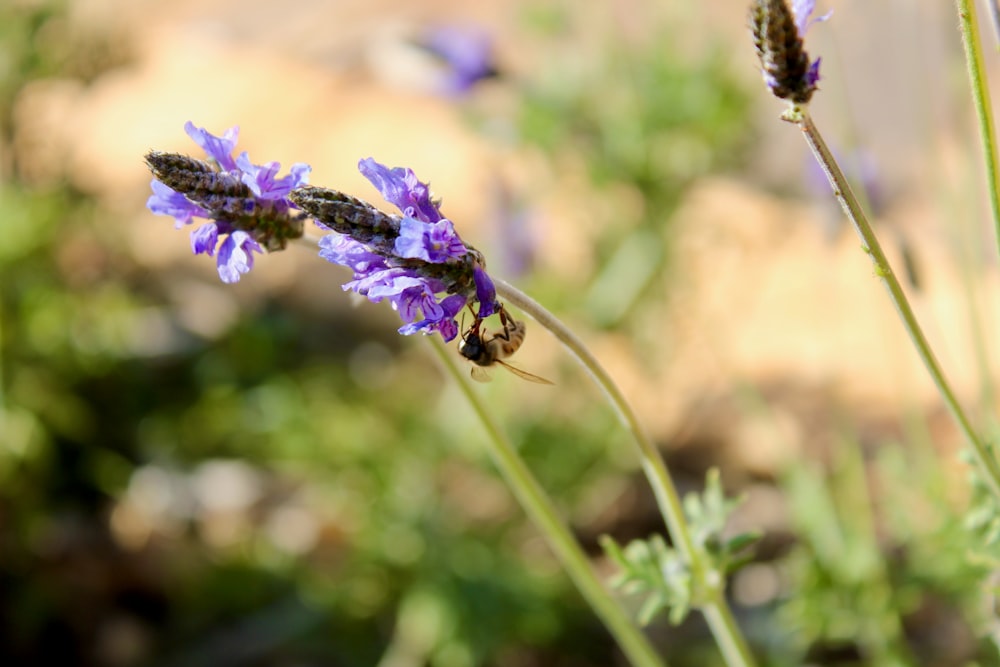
(485,353)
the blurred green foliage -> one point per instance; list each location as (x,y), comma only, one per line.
(276,492)
(883,572)
(646,118)
(289,488)
(661,574)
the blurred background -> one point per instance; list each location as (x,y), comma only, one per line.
(265,474)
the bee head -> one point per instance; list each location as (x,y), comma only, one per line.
(471,346)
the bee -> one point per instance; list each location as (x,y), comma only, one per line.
(485,353)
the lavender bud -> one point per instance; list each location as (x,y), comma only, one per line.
(350,216)
(220,193)
(777,35)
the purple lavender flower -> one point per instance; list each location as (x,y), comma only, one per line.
(220,149)
(467,54)
(411,293)
(803,9)
(436,241)
(432,242)
(166,201)
(400,187)
(236,255)
(416,262)
(513,231)
(777,32)
(246,204)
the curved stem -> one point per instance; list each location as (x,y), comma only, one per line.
(981,100)
(713,604)
(984,458)
(541,510)
(652,463)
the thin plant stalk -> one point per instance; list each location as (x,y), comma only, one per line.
(982,454)
(969,27)
(710,594)
(541,510)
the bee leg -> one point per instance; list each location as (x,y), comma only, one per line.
(505,321)
(476,323)
(503,335)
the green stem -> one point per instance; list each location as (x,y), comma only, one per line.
(981,99)
(537,505)
(988,467)
(709,583)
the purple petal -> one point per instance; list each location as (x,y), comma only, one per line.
(342,249)
(399,186)
(802,10)
(166,201)
(486,292)
(452,306)
(259,178)
(394,281)
(436,243)
(444,242)
(385,283)
(262,181)
(236,256)
(443,321)
(298,175)
(205,238)
(419,300)
(812,74)
(219,149)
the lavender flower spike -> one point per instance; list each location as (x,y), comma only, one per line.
(777,34)
(416,261)
(246,204)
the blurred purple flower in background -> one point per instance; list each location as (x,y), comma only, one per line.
(245,203)
(862,171)
(467,54)
(513,232)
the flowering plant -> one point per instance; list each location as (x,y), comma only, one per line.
(416,261)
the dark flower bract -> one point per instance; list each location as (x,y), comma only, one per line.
(778,31)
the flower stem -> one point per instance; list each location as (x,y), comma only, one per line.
(709,584)
(982,454)
(981,100)
(539,507)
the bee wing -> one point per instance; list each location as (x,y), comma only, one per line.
(480,373)
(524,375)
